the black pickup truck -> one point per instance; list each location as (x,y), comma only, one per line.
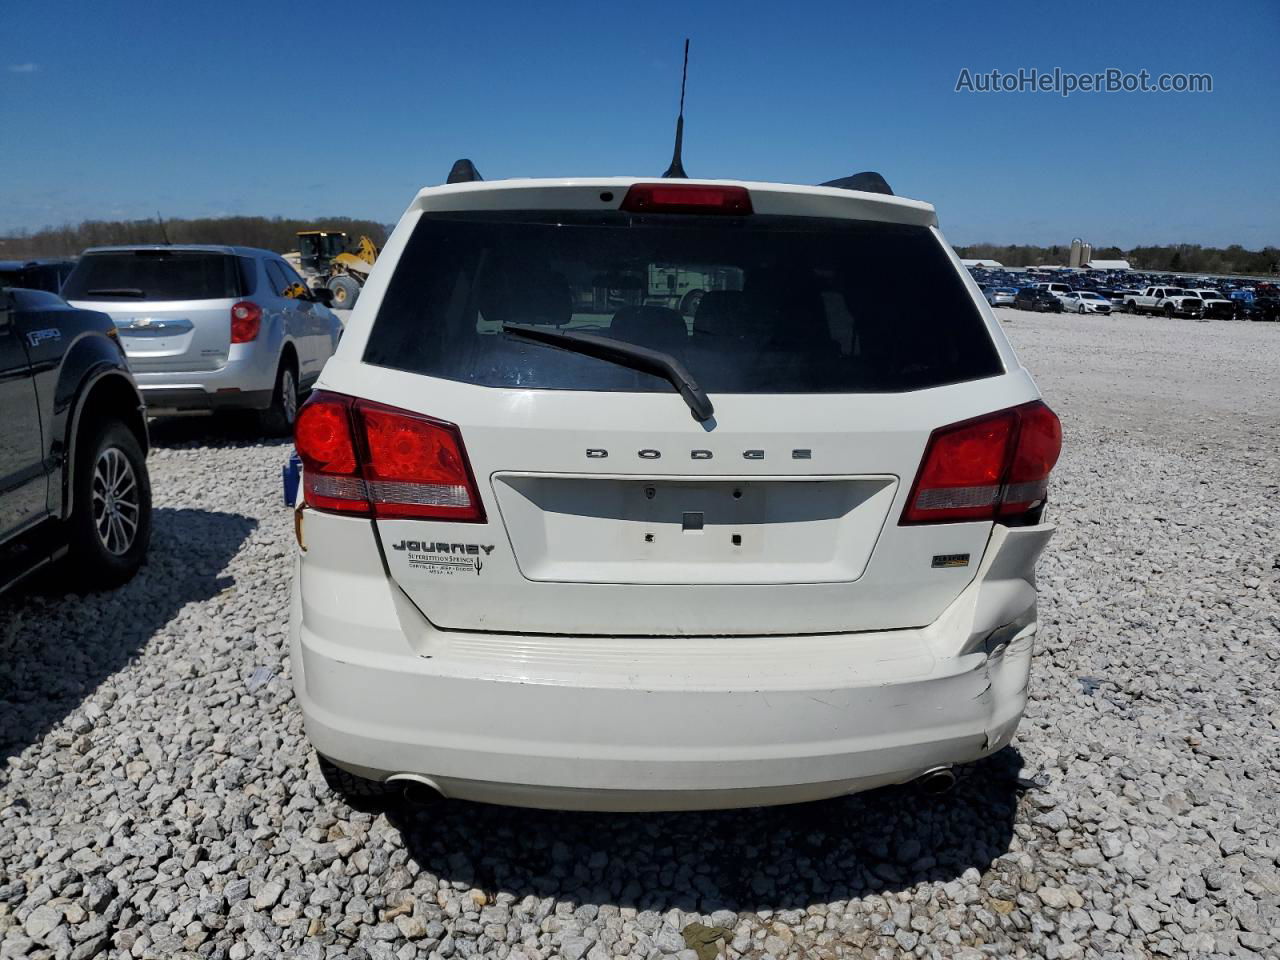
(43,274)
(73,445)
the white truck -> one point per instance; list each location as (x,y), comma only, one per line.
(1059,290)
(1171,301)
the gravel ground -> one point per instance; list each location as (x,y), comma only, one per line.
(160,801)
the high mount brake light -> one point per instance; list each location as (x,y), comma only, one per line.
(370,459)
(686,198)
(994,467)
(246,321)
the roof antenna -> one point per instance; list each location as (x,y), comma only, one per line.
(164,232)
(677,168)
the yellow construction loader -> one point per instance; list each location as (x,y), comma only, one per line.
(326,258)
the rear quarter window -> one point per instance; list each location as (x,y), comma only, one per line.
(155,275)
(279,283)
(758,304)
(248,267)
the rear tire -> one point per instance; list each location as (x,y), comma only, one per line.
(349,786)
(110,524)
(1131,306)
(345,292)
(1168,310)
(277,419)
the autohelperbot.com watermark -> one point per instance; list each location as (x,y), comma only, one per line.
(1065,82)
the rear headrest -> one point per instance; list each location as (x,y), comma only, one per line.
(793,297)
(718,310)
(525,293)
(737,315)
(659,328)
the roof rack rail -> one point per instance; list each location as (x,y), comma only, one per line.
(868,181)
(463,171)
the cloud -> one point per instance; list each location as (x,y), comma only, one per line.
(23,67)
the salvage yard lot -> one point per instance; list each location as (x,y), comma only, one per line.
(160,799)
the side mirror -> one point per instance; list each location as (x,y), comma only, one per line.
(322,295)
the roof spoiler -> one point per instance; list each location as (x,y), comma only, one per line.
(868,182)
(464,171)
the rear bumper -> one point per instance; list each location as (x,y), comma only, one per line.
(655,723)
(187,397)
(243,382)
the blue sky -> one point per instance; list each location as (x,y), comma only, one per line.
(120,109)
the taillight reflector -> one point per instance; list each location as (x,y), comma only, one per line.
(246,321)
(992,467)
(686,198)
(367,458)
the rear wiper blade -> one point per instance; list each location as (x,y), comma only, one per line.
(625,355)
(116,292)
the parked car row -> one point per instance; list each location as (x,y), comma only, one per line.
(137,331)
(1086,293)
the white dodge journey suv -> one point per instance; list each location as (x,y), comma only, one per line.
(627,495)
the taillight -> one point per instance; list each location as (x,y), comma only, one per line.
(326,444)
(367,458)
(1039,442)
(992,467)
(686,198)
(246,321)
(416,466)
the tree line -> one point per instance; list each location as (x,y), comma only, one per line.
(270,233)
(277,233)
(1173,258)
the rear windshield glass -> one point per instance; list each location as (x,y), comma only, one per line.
(758,304)
(154,275)
(40,277)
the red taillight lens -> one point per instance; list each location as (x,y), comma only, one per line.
(686,198)
(326,446)
(416,466)
(366,458)
(994,467)
(246,321)
(1039,443)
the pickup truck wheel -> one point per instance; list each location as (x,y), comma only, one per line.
(1131,306)
(1168,309)
(277,419)
(110,523)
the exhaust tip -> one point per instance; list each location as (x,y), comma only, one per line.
(936,781)
(416,790)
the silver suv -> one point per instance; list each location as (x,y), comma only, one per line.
(211,327)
